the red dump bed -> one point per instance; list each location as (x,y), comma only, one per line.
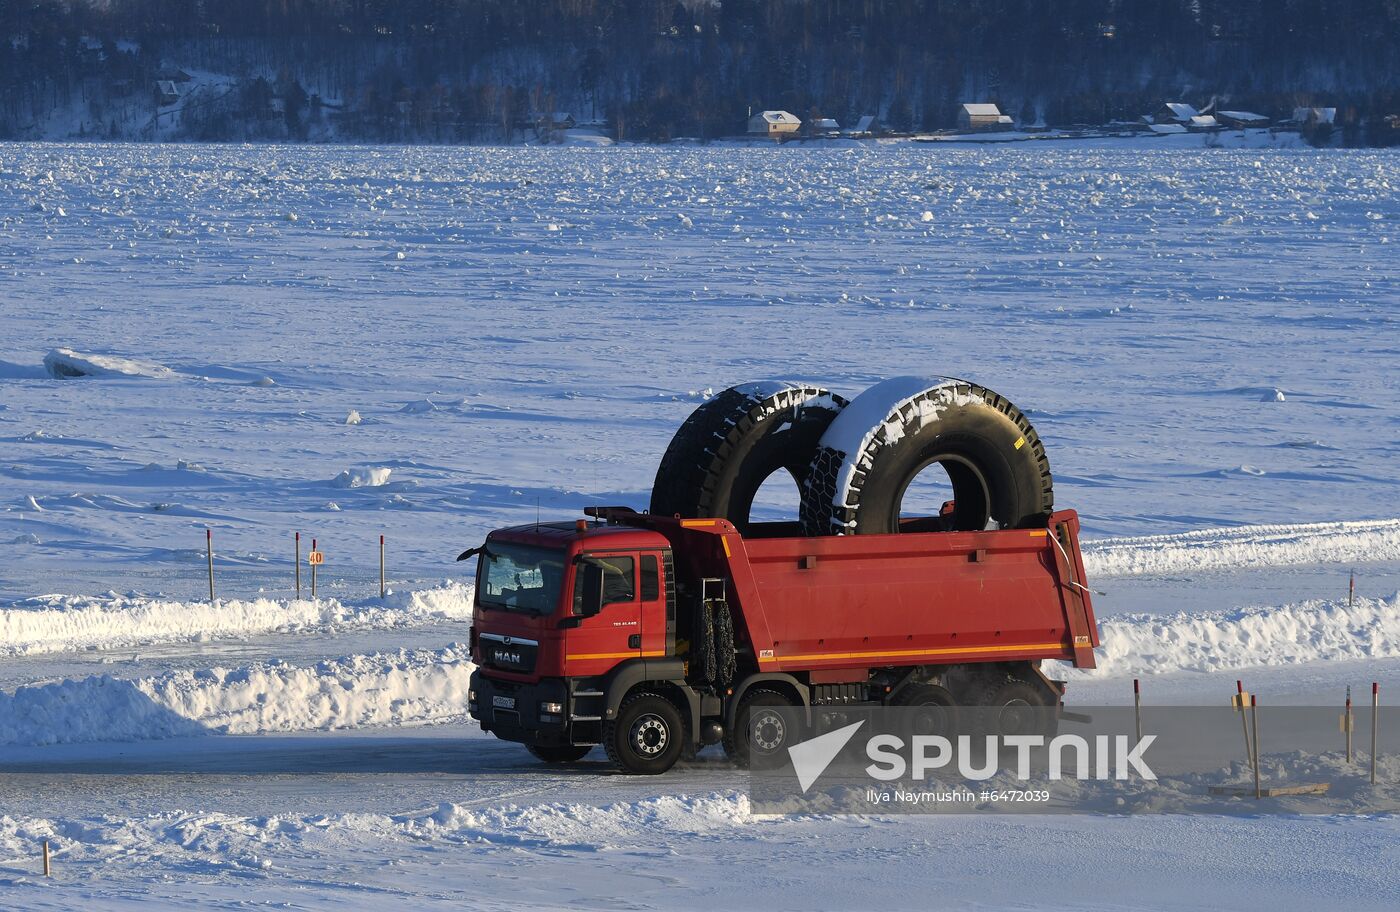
(863,601)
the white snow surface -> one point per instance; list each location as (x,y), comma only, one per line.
(401,688)
(1204,339)
(64,363)
(1315,631)
(1247,546)
(57,623)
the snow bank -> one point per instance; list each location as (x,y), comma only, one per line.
(1246,546)
(63,363)
(406,687)
(58,623)
(362,478)
(1295,634)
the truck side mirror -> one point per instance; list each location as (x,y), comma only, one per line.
(590,600)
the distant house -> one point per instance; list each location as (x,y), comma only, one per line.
(1166,128)
(776,124)
(1176,112)
(168,92)
(983,117)
(557,120)
(824,126)
(1314,117)
(866,126)
(1202,122)
(173,74)
(1241,120)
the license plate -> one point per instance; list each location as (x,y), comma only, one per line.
(503,702)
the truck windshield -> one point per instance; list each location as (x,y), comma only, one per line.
(521,578)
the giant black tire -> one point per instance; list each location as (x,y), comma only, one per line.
(879,443)
(731,444)
(765,726)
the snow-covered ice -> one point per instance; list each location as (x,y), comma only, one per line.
(427,343)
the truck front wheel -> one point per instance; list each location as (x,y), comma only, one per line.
(647,736)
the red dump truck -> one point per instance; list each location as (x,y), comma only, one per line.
(656,636)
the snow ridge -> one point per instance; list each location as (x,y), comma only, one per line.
(57,623)
(1310,631)
(1246,546)
(399,688)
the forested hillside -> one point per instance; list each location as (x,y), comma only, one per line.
(462,70)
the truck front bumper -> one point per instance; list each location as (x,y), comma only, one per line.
(515,711)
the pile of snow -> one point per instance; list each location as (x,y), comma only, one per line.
(1246,546)
(58,623)
(64,363)
(362,478)
(1311,631)
(406,687)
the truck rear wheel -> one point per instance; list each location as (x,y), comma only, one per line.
(878,445)
(731,444)
(647,736)
(764,728)
(563,753)
(1015,707)
(931,710)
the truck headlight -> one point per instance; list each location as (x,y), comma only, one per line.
(553,709)
(471,695)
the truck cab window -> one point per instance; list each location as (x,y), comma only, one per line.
(651,579)
(619,581)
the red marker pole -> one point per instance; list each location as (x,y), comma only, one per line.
(209,550)
(297,563)
(1244,721)
(1375,719)
(1346,723)
(1137,708)
(381,566)
(1254,711)
(313,569)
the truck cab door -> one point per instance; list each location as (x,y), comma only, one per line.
(657,611)
(614,634)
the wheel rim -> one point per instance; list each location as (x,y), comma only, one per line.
(650,735)
(931,719)
(766,731)
(1016,717)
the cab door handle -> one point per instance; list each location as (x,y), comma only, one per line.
(634,641)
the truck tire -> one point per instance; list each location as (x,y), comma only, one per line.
(877,445)
(731,444)
(1016,707)
(647,736)
(762,731)
(563,753)
(929,709)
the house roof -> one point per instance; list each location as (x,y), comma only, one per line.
(777,117)
(1243,115)
(982,110)
(865,124)
(1204,120)
(826,123)
(1181,110)
(1167,128)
